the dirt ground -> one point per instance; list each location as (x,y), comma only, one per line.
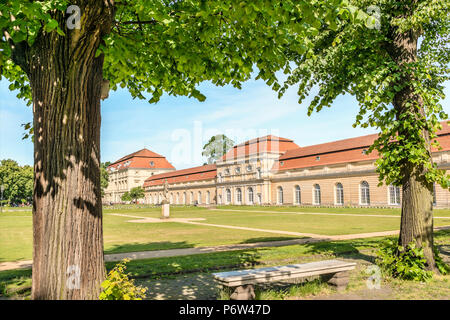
(201,286)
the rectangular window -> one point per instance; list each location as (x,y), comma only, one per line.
(298,199)
(340,196)
(317,196)
(239,197)
(394,195)
(364,193)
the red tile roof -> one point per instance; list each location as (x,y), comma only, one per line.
(342,151)
(445,128)
(260,145)
(142,159)
(205,172)
(340,145)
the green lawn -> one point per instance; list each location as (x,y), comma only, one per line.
(123,236)
(16,283)
(345,210)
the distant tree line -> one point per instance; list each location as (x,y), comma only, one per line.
(104,176)
(134,194)
(17,182)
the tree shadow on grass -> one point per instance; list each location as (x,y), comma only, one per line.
(444,251)
(188,277)
(344,249)
(268,239)
(200,286)
(149,246)
(179,265)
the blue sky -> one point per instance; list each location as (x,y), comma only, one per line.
(177,127)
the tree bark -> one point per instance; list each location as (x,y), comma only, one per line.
(66,80)
(417,193)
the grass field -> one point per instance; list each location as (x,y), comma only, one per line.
(123,236)
(152,272)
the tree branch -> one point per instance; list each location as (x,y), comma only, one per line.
(19,52)
(138,22)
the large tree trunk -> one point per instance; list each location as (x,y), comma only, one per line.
(417,214)
(66,79)
(417,203)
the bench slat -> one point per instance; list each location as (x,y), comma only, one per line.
(249,276)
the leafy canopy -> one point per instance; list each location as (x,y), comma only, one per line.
(17,181)
(216,147)
(158,46)
(137,193)
(134,194)
(104,176)
(358,60)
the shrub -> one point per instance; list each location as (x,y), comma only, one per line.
(405,263)
(118,286)
(441,265)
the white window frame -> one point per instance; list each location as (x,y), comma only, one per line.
(250,195)
(228,196)
(297,194)
(363,195)
(280,195)
(317,195)
(392,195)
(339,196)
(238,196)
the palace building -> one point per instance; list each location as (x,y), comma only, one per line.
(272,170)
(131,171)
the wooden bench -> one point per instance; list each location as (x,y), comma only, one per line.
(335,272)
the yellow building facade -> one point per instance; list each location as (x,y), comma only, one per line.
(275,171)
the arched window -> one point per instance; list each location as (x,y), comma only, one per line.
(192,197)
(184,198)
(364,193)
(339,194)
(208,197)
(199,197)
(316,194)
(177,199)
(250,195)
(394,195)
(228,196)
(171,198)
(238,195)
(298,195)
(280,195)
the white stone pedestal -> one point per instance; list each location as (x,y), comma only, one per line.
(165,210)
